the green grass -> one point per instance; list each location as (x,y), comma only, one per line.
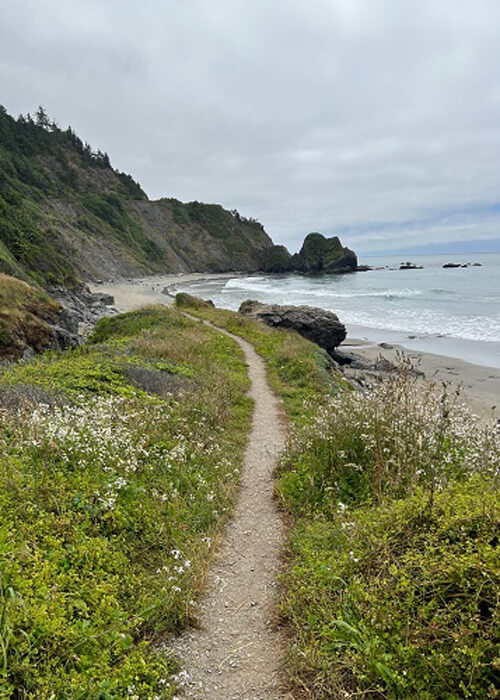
(392,585)
(396,601)
(119,463)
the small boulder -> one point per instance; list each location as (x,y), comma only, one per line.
(318,325)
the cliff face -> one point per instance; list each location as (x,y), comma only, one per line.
(66,215)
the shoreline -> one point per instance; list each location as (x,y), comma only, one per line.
(480,383)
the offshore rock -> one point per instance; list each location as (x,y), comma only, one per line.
(318,325)
(322,255)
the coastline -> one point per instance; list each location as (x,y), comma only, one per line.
(480,383)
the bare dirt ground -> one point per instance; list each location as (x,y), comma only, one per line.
(237,652)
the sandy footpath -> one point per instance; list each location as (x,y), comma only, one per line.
(481,385)
(237,653)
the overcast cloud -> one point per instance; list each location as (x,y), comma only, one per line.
(375,119)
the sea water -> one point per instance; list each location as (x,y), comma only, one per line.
(454,311)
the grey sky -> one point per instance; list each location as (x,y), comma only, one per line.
(375,119)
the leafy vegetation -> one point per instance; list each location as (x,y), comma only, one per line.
(40,162)
(299,370)
(58,195)
(276,259)
(118,463)
(392,587)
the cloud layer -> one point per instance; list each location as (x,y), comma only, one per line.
(376,119)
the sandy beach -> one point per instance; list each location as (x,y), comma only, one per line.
(480,385)
(131,294)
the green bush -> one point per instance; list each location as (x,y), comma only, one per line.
(399,601)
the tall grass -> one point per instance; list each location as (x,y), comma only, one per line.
(298,369)
(404,434)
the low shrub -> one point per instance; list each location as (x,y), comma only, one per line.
(403,434)
(396,601)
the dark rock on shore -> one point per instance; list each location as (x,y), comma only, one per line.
(318,325)
(81,308)
(34,320)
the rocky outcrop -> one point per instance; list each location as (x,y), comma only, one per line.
(31,321)
(318,255)
(324,255)
(318,325)
(81,308)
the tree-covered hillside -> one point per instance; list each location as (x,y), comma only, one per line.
(67,214)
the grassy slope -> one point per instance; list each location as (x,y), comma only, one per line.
(65,213)
(299,371)
(391,588)
(119,462)
(24,312)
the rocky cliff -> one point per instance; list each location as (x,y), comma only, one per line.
(67,215)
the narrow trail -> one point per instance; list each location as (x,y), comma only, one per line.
(236,654)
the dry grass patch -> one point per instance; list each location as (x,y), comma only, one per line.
(24,315)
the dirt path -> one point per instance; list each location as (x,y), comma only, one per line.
(237,653)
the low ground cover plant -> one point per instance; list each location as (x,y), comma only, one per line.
(119,462)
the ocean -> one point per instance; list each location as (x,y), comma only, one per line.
(453,312)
